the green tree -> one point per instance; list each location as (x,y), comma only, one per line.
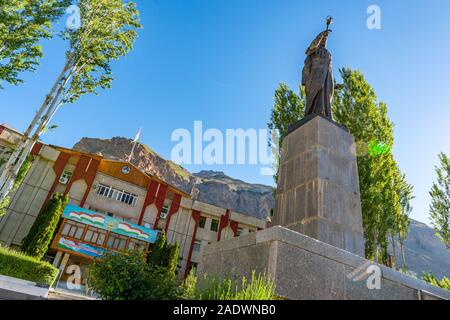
(41,233)
(288,108)
(402,221)
(4,203)
(430,278)
(23,23)
(107,32)
(440,201)
(383,203)
(127,276)
(164,255)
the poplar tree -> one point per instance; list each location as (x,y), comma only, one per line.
(23,23)
(402,221)
(164,255)
(107,32)
(288,108)
(440,201)
(356,107)
(37,241)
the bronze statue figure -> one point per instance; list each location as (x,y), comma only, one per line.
(317,76)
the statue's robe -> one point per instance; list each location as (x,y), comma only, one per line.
(317,77)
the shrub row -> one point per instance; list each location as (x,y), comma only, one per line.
(18,265)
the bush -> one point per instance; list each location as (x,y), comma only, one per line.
(128,276)
(19,265)
(189,285)
(444,283)
(258,288)
(41,233)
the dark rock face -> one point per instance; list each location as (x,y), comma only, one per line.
(423,251)
(219,189)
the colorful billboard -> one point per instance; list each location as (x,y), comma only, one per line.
(108,223)
(79,247)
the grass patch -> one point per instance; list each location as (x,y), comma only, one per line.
(258,287)
(18,265)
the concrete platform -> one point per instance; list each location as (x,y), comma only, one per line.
(19,289)
(304,268)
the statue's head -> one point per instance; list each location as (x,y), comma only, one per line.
(324,39)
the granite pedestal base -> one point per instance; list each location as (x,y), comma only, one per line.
(307,269)
(318,188)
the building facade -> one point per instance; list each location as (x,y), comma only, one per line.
(108,193)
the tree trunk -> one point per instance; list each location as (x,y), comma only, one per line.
(394,251)
(402,249)
(375,248)
(17,158)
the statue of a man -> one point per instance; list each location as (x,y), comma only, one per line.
(317,76)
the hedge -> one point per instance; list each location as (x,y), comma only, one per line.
(19,265)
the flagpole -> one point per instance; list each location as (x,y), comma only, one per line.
(135,142)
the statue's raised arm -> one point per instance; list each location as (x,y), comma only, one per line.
(317,76)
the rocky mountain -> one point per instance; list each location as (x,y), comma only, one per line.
(219,189)
(143,157)
(423,251)
(213,187)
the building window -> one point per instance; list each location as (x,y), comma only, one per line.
(214,225)
(137,244)
(65,177)
(73,229)
(103,190)
(197,246)
(202,222)
(95,236)
(118,195)
(117,242)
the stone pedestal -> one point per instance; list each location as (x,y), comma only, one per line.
(307,269)
(318,187)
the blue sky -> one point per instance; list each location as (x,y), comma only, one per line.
(220,62)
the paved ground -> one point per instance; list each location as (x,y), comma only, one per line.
(58,295)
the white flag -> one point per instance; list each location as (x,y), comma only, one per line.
(138,135)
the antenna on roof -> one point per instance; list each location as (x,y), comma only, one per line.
(135,142)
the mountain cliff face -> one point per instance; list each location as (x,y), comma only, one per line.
(423,251)
(213,187)
(143,157)
(219,189)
